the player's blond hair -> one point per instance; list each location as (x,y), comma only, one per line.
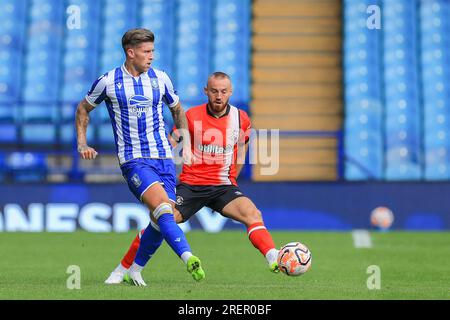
(218,74)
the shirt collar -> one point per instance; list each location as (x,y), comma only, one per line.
(224,115)
(124,69)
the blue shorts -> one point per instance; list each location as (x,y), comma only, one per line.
(142,173)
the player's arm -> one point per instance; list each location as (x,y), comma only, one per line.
(81,124)
(172,100)
(180,120)
(174,137)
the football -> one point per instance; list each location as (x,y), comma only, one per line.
(294,259)
(382,218)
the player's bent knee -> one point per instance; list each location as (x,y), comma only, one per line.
(256,214)
(253,216)
(163,208)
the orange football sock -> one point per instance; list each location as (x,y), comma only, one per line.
(128,259)
(260,237)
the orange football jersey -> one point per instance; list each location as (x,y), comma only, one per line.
(214,144)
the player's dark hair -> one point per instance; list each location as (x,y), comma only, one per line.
(134,37)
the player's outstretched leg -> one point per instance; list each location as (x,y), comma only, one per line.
(244,210)
(262,240)
(176,239)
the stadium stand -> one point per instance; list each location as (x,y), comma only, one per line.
(12,39)
(157,15)
(193,49)
(118,17)
(435,44)
(308,68)
(296,85)
(42,72)
(231,45)
(60,58)
(402,94)
(26,166)
(395,91)
(13,28)
(363,95)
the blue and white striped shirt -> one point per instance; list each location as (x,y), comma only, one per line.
(135,109)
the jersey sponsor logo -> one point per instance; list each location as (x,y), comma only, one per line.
(136,180)
(210,148)
(139,104)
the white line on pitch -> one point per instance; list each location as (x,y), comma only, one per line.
(361,238)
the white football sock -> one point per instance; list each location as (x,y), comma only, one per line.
(135,267)
(271,255)
(120,268)
(185,256)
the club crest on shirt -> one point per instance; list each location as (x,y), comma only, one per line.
(139,104)
(136,180)
(154,83)
(234,136)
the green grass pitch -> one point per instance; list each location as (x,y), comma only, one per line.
(413,265)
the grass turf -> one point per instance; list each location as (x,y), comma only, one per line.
(414,265)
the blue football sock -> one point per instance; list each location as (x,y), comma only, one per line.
(151,240)
(173,234)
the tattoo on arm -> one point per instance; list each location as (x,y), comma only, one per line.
(179,117)
(180,120)
(82,121)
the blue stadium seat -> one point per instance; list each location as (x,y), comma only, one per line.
(81,48)
(45,32)
(58,63)
(158,16)
(231,50)
(192,59)
(8,113)
(67,111)
(40,134)
(8,133)
(27,166)
(39,113)
(118,17)
(363,95)
(437,160)
(67,134)
(435,41)
(402,110)
(13,15)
